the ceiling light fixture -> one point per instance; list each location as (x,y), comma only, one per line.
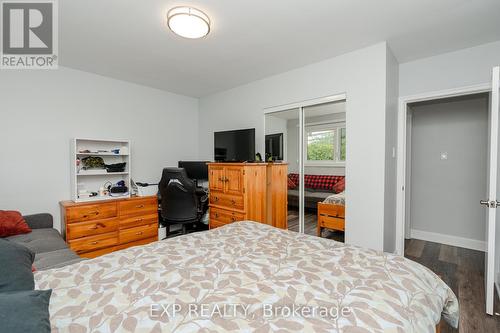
(188,22)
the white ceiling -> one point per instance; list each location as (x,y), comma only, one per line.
(254,39)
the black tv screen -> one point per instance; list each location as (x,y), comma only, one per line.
(234,146)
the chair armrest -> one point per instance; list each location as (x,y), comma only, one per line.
(39,221)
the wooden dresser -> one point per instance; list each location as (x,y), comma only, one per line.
(95,228)
(248,191)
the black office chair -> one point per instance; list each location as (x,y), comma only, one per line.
(179,201)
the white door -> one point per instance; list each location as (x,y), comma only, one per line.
(493,193)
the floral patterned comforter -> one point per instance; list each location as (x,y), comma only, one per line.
(247,277)
(336,199)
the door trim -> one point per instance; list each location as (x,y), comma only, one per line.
(401,148)
(305,103)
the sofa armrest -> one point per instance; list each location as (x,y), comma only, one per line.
(39,221)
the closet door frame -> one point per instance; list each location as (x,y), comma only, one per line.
(301,106)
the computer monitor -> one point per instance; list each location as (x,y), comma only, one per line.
(197,170)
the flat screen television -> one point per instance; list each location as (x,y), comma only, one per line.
(274,147)
(234,146)
(197,170)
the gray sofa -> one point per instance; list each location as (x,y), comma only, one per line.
(311,198)
(51,251)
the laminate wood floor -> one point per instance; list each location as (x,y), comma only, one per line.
(463,270)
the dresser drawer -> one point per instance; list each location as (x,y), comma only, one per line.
(98,253)
(225,216)
(138,233)
(135,221)
(136,243)
(138,207)
(216,223)
(227,200)
(91,212)
(84,229)
(92,243)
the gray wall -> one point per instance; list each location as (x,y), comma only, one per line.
(445,193)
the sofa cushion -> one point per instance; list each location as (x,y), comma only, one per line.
(317,182)
(55,259)
(323,182)
(15,267)
(41,240)
(294,177)
(39,221)
(12,223)
(340,186)
(25,311)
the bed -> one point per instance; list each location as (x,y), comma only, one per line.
(331,213)
(253,265)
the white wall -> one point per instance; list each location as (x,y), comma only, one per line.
(362,76)
(450,70)
(445,193)
(42,110)
(392,94)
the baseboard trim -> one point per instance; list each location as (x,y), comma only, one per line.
(467,243)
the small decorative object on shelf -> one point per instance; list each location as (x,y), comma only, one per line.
(117,167)
(99,166)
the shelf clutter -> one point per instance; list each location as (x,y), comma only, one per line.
(100,169)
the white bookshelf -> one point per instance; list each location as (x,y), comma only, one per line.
(93,179)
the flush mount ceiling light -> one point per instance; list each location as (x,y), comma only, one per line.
(188,22)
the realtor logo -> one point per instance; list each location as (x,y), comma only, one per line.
(29,34)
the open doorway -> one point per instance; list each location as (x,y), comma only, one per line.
(446,171)
(433,253)
(312,139)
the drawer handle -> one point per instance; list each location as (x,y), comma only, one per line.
(90,213)
(216,198)
(97,226)
(139,206)
(95,243)
(233,202)
(216,214)
(233,219)
(138,233)
(139,220)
